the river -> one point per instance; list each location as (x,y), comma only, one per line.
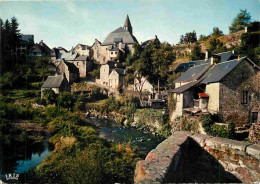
(19,159)
(115,132)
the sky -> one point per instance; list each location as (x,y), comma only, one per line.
(67,23)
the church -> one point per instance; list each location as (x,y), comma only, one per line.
(116,45)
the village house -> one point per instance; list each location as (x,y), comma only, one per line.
(83,63)
(56,52)
(111,75)
(147,42)
(229,88)
(224,56)
(39,50)
(57,83)
(116,45)
(70,70)
(25,43)
(82,50)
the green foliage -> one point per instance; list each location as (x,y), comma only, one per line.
(217,32)
(242,20)
(189,37)
(42,65)
(7,80)
(203,38)
(216,46)
(65,100)
(219,130)
(50,96)
(188,125)
(196,53)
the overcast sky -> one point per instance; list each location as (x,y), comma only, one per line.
(67,23)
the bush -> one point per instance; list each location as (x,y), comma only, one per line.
(218,130)
(65,100)
(50,96)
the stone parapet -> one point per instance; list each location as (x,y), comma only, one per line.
(187,157)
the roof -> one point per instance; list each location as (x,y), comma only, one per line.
(225,55)
(114,49)
(36,48)
(72,68)
(203,95)
(193,73)
(81,58)
(120,71)
(220,70)
(127,22)
(29,39)
(185,87)
(114,64)
(145,43)
(67,56)
(53,81)
(120,33)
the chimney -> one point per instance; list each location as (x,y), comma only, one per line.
(233,51)
(206,55)
(156,36)
(215,59)
(238,57)
(246,29)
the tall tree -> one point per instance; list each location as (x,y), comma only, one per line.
(190,37)
(217,32)
(242,20)
(196,53)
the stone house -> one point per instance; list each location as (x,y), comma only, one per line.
(70,70)
(229,88)
(40,49)
(111,75)
(56,52)
(116,45)
(25,43)
(57,83)
(83,63)
(82,50)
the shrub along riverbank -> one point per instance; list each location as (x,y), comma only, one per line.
(79,155)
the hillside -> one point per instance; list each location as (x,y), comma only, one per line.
(183,51)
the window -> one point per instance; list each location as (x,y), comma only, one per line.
(115,52)
(254,116)
(112,53)
(77,63)
(244,99)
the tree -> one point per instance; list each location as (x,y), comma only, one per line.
(162,58)
(242,20)
(66,100)
(203,38)
(42,65)
(190,37)
(217,32)
(50,96)
(215,46)
(196,53)
(181,39)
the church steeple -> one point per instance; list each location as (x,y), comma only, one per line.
(127,25)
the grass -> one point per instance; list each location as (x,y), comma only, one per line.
(17,94)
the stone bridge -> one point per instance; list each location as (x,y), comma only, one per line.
(187,158)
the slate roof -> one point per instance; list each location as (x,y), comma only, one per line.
(120,33)
(185,87)
(120,71)
(53,81)
(36,48)
(114,64)
(220,70)
(29,39)
(127,22)
(193,73)
(225,55)
(81,58)
(67,56)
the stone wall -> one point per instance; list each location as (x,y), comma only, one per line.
(242,78)
(213,91)
(185,157)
